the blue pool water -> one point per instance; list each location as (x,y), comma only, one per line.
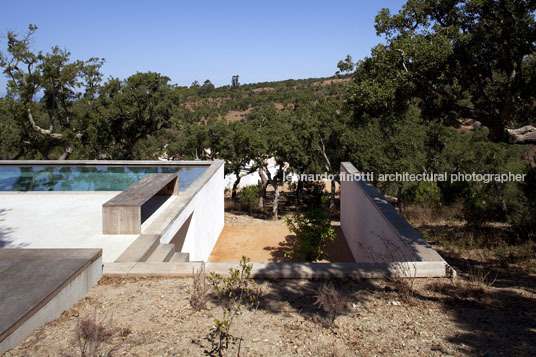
(86,178)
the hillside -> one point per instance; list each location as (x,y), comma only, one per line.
(199,104)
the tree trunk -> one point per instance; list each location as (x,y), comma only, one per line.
(524,135)
(68,151)
(276,200)
(332,206)
(264,186)
(498,188)
(400,201)
(299,192)
(235,184)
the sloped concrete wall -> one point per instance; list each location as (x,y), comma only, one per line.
(194,222)
(207,218)
(374,230)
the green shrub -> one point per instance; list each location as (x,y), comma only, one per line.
(313,232)
(313,193)
(425,193)
(234,293)
(249,196)
(524,218)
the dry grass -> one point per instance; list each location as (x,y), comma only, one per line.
(200,289)
(419,215)
(163,323)
(94,336)
(331,301)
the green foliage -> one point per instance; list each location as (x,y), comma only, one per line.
(461,59)
(130,111)
(10,132)
(313,232)
(249,196)
(58,124)
(524,218)
(234,293)
(426,193)
(206,88)
(313,193)
(456,152)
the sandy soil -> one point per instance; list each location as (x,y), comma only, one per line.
(268,243)
(475,314)
(154,317)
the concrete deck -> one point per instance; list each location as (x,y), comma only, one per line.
(37,285)
(58,220)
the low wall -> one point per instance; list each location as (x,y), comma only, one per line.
(71,275)
(374,230)
(195,220)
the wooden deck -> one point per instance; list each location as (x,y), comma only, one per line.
(37,285)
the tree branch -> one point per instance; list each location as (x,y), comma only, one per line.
(524,135)
(46,132)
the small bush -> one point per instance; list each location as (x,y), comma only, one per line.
(249,196)
(425,193)
(331,301)
(313,232)
(234,293)
(200,288)
(94,336)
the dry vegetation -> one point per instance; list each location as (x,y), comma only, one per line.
(488,310)
(460,317)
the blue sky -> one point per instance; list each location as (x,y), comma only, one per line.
(259,40)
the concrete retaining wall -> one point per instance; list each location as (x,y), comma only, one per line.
(374,230)
(195,220)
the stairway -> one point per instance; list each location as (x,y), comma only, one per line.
(147,248)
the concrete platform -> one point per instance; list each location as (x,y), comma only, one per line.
(58,220)
(37,285)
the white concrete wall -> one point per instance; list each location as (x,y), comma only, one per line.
(207,220)
(375,232)
(205,203)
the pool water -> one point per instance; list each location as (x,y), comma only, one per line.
(87,178)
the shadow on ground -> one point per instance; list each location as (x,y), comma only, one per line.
(5,232)
(337,251)
(492,301)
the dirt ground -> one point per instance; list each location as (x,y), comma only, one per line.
(480,313)
(153,317)
(266,241)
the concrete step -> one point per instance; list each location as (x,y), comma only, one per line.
(162,253)
(140,249)
(179,257)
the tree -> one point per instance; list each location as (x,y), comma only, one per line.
(11,144)
(131,110)
(56,125)
(463,59)
(237,153)
(402,148)
(206,88)
(234,82)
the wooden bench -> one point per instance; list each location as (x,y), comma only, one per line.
(122,214)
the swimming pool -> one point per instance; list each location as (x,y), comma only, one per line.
(87,178)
